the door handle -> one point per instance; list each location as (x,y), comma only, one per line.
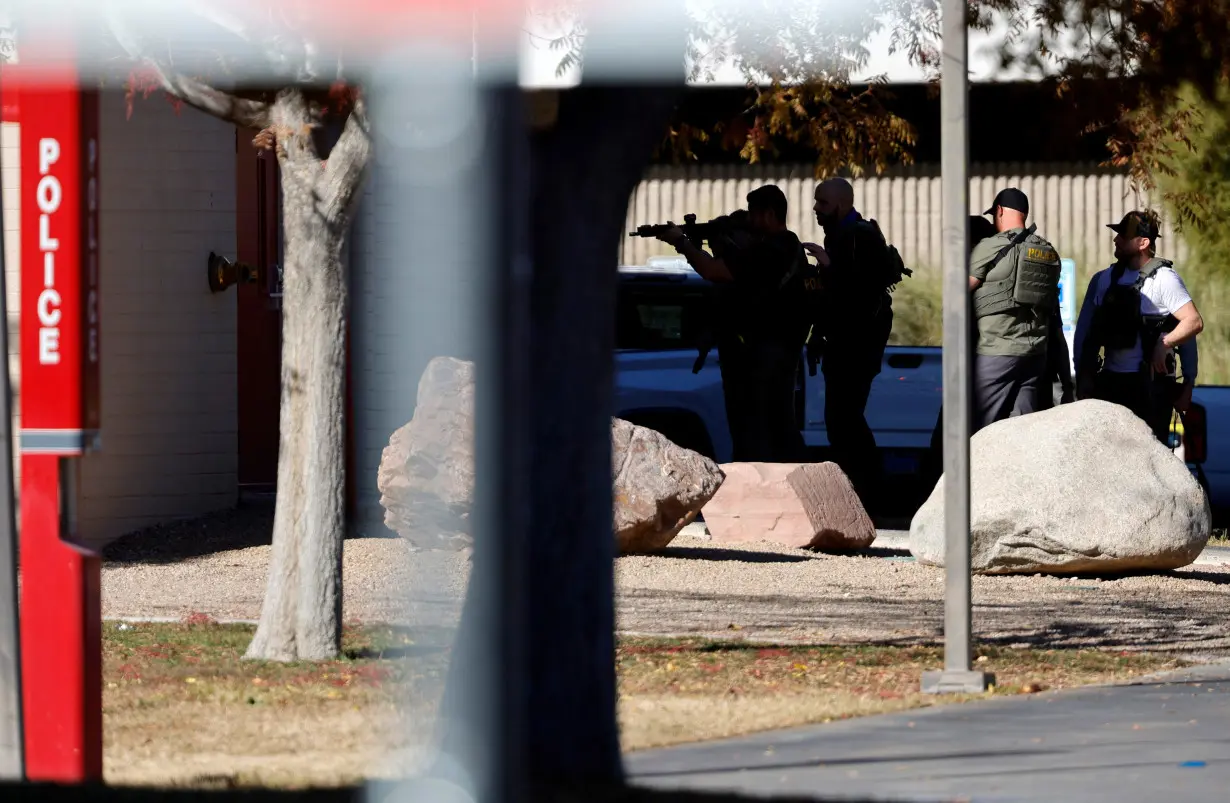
(273,283)
(904,360)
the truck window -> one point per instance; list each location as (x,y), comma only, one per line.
(659,319)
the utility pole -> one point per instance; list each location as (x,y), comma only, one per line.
(957,675)
(12,754)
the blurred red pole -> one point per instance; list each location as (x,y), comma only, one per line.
(61,624)
(61,635)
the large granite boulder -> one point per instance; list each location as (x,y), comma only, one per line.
(658,487)
(426,475)
(1080,488)
(801,505)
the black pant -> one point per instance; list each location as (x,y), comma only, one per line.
(732,362)
(758,383)
(851,440)
(1002,385)
(1152,400)
(849,370)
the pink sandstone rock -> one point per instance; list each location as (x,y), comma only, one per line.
(808,505)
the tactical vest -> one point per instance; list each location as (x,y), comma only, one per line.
(800,295)
(1023,275)
(1118,320)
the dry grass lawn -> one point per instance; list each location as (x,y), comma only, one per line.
(182,708)
(674,691)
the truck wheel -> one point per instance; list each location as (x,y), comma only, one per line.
(682,429)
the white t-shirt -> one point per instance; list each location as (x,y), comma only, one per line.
(1161,294)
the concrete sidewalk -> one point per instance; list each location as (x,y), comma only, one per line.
(1158,739)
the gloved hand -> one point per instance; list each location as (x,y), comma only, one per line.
(1067,395)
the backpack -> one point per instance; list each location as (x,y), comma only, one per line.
(891,269)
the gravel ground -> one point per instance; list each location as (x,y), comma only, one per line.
(217,566)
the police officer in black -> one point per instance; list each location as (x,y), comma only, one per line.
(726,333)
(761,349)
(856,321)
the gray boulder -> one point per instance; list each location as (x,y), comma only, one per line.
(1080,488)
(658,487)
(426,474)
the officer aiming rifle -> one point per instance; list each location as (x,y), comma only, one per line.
(724,234)
(754,267)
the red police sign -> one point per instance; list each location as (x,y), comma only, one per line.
(59,264)
(61,619)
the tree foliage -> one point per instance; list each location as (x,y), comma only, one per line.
(1167,56)
(1204,171)
(797,58)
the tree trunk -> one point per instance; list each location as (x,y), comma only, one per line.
(302,612)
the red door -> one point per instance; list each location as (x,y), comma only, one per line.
(258,242)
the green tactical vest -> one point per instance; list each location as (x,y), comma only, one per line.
(1025,276)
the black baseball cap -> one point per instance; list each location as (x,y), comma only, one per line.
(1010,198)
(1135,224)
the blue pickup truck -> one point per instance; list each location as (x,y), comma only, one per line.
(662,316)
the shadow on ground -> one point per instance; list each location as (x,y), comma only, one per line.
(719,554)
(247,525)
(1108,621)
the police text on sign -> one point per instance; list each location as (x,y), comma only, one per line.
(49,196)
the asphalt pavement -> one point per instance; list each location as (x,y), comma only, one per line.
(1158,739)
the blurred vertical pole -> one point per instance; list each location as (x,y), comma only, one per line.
(455,168)
(502,423)
(954,169)
(492,640)
(12,760)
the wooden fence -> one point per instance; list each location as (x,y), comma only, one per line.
(1071,203)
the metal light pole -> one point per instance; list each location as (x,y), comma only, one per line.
(954,174)
(12,755)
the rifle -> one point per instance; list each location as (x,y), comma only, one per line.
(725,234)
(719,232)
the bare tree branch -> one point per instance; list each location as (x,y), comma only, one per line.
(199,95)
(347,163)
(223,105)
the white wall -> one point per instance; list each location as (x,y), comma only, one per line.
(393,291)
(169,426)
